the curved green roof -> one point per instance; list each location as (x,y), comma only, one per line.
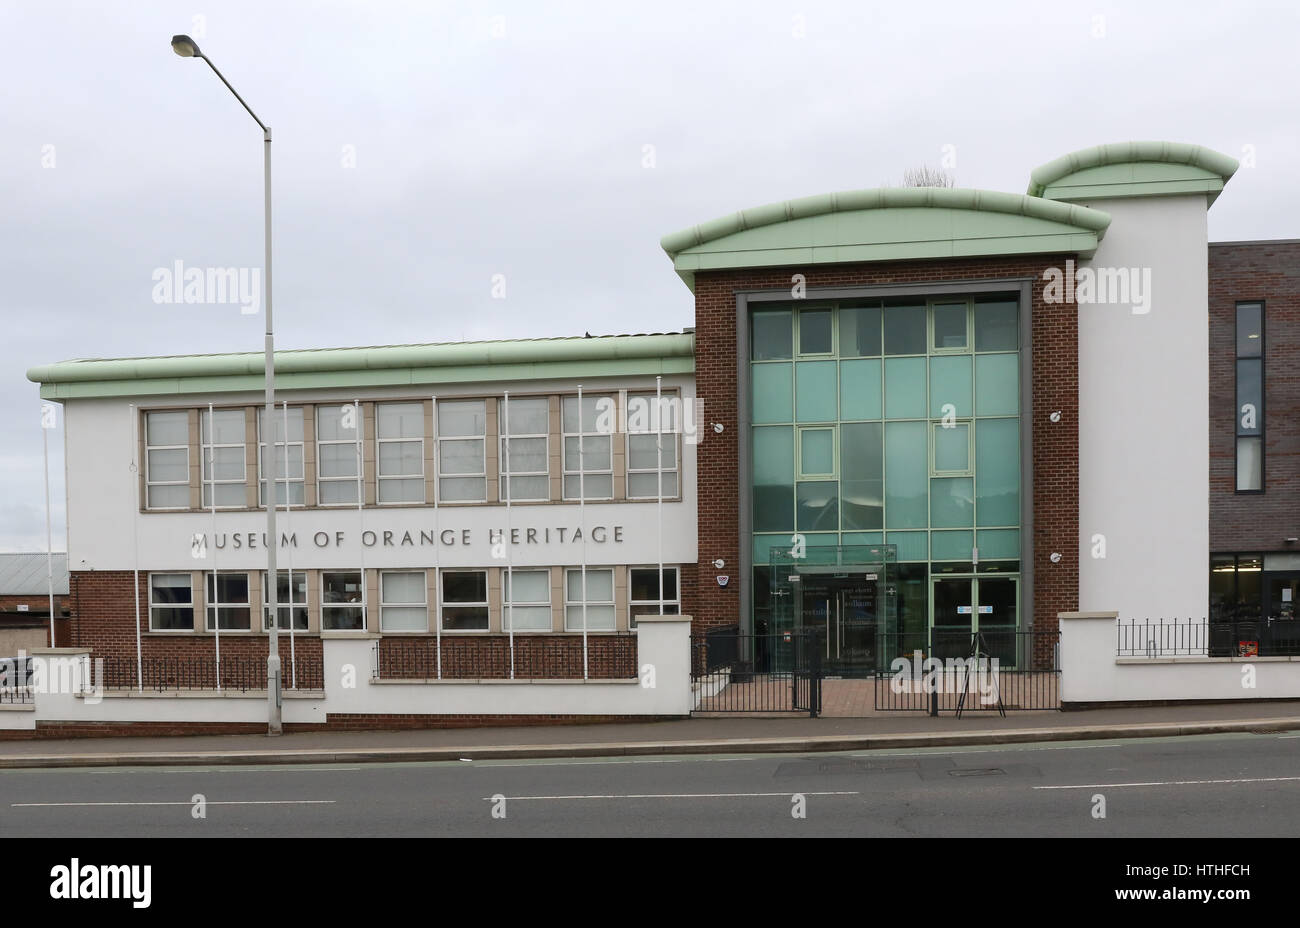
(455,362)
(1126,169)
(886,224)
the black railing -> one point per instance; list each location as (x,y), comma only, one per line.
(737,671)
(533,657)
(1207,638)
(240,674)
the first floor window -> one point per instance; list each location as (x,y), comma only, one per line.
(342,601)
(644,595)
(286,463)
(403,601)
(338,454)
(167,460)
(399,431)
(597,597)
(464,601)
(525,427)
(462,451)
(587,456)
(228,602)
(221,433)
(527,600)
(171,603)
(290,597)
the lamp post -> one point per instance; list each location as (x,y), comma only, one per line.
(186,47)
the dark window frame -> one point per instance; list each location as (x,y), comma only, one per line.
(1236,411)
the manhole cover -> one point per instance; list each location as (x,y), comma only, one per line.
(977,772)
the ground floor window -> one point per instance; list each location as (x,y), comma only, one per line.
(290,597)
(464,601)
(644,596)
(343,601)
(171,603)
(527,601)
(403,601)
(228,604)
(597,597)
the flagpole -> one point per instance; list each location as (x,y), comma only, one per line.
(288,555)
(135,543)
(582,524)
(510,577)
(212,505)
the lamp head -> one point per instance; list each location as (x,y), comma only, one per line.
(186,47)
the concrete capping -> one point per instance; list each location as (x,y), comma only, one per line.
(662,618)
(58,651)
(1088,615)
(18,707)
(126,693)
(497,681)
(1203,659)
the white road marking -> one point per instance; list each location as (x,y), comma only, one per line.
(225,802)
(785,794)
(1173,783)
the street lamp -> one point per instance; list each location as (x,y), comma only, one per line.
(186,47)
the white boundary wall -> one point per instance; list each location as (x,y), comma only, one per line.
(663,658)
(1091,672)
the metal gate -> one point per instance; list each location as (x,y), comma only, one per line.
(757,674)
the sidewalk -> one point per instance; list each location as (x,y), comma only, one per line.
(687,736)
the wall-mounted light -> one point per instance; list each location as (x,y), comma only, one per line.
(1055,416)
(719,563)
(717,427)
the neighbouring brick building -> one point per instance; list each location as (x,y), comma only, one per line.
(921,411)
(26,579)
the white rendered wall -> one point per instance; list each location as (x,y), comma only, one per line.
(107,532)
(1090,671)
(1144,417)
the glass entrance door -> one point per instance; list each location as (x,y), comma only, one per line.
(951,615)
(961,606)
(845,609)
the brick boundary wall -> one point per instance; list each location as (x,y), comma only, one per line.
(1239,273)
(1055,345)
(334,722)
(537,657)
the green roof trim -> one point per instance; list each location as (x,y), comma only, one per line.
(392,365)
(1133,169)
(886,224)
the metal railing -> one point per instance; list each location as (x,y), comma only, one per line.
(1207,637)
(534,657)
(949,669)
(199,672)
(757,673)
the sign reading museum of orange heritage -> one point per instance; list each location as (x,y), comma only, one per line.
(447,538)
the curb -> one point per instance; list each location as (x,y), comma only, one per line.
(642,748)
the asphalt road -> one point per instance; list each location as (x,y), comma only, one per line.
(1245,785)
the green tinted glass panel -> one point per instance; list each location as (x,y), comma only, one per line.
(863,538)
(997,471)
(815,391)
(952,448)
(904,330)
(996,326)
(773,479)
(952,502)
(773,393)
(911,546)
(773,335)
(815,331)
(998,544)
(951,546)
(763,545)
(860,389)
(906,474)
(949,326)
(950,386)
(819,506)
(997,385)
(905,388)
(816,452)
(860,332)
(861,473)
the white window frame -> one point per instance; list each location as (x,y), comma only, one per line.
(149,482)
(441,439)
(675,602)
(576,604)
(189,578)
(212,606)
(262,498)
(327,608)
(667,436)
(293,606)
(507,591)
(380,441)
(423,604)
(208,486)
(357,480)
(442,601)
(579,472)
(503,459)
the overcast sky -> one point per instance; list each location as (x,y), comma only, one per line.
(553,143)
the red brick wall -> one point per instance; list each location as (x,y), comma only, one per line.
(1055,336)
(1242,272)
(36,603)
(481,657)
